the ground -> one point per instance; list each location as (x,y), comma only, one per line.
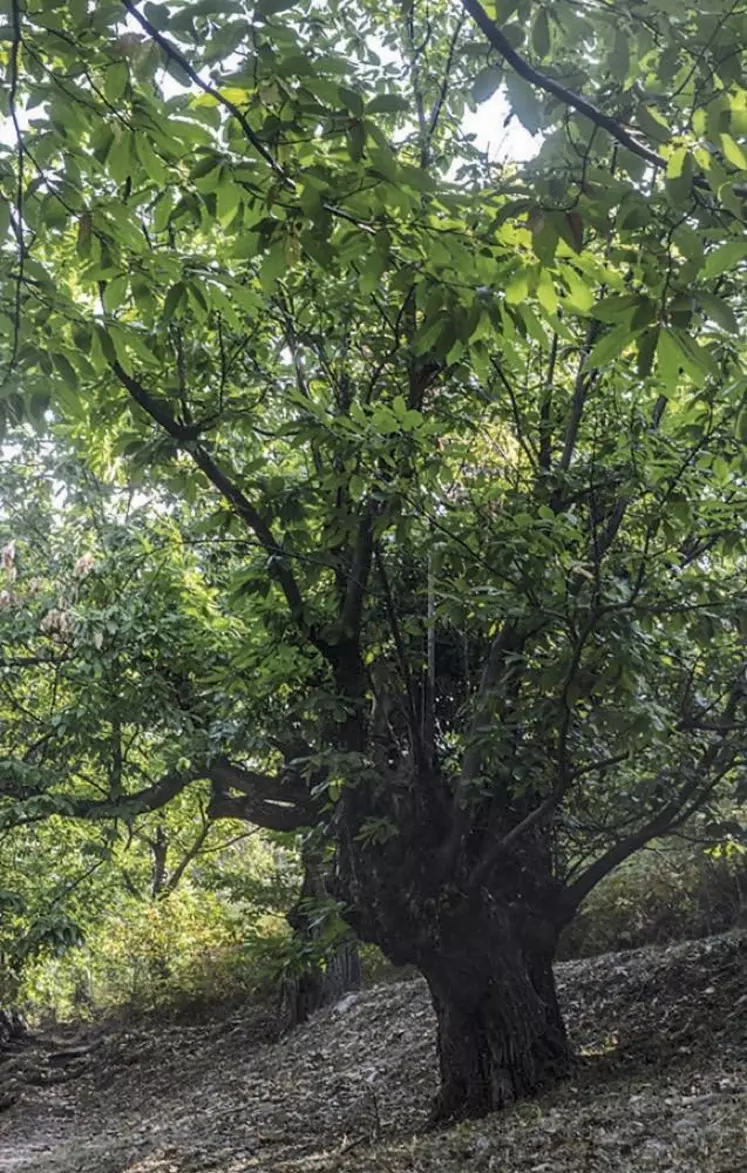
(661,1085)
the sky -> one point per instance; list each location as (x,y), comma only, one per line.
(503,143)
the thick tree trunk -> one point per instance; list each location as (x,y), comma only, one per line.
(501,1035)
(483,936)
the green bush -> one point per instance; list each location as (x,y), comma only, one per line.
(669,892)
(189,948)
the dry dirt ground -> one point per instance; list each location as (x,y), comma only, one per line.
(661,1085)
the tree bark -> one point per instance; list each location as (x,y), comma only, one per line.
(501,1036)
(329,973)
(12,1028)
(484,938)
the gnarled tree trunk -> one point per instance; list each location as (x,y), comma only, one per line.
(484,938)
(501,1035)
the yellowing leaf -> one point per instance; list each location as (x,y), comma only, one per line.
(517,288)
(676,163)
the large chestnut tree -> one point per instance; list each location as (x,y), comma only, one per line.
(476,428)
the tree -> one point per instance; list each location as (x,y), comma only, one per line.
(477,433)
(113,676)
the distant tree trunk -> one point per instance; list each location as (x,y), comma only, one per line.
(328,974)
(12,1028)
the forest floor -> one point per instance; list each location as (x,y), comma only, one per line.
(661,1085)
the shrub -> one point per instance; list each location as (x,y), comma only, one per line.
(669,892)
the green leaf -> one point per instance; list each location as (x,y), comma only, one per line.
(387,104)
(153,165)
(647,345)
(733,152)
(676,163)
(726,257)
(609,346)
(356,487)
(653,124)
(525,103)
(271,7)
(356,139)
(273,266)
(65,369)
(115,81)
(228,199)
(119,159)
(174,298)
(579,294)
(611,309)
(719,311)
(118,340)
(541,34)
(546,295)
(669,358)
(486,83)
(517,288)
(352,100)
(115,292)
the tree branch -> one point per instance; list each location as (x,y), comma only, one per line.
(174,55)
(277,565)
(580,393)
(131,805)
(249,514)
(355,591)
(274,816)
(191,853)
(535,77)
(402,660)
(287,787)
(669,817)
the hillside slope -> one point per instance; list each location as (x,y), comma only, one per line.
(661,1085)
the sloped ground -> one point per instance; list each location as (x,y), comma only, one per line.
(661,1086)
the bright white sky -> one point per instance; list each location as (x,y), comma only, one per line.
(502,142)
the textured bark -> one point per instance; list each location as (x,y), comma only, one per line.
(501,1035)
(322,985)
(12,1028)
(484,938)
(325,978)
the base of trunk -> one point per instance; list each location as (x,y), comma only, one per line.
(488,1061)
(501,1035)
(12,1028)
(332,968)
(321,984)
